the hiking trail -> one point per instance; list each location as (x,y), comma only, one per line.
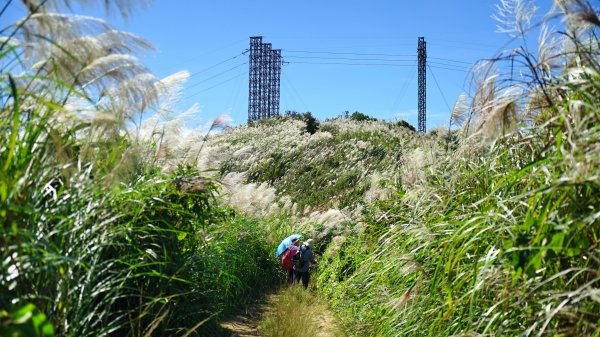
(248,322)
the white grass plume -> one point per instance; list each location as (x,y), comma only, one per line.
(170,89)
(459,111)
(125,7)
(579,15)
(514,16)
(82,50)
(550,53)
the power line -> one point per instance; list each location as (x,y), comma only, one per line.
(354,64)
(404,88)
(295,91)
(412,56)
(462,47)
(236,96)
(340,53)
(464,42)
(216,75)
(460,70)
(216,65)
(449,60)
(448,65)
(216,85)
(348,58)
(440,89)
(192,57)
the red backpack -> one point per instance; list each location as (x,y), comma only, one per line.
(286,259)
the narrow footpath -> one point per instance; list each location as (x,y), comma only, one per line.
(291,311)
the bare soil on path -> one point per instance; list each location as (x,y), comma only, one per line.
(247,323)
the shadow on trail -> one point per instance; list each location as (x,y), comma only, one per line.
(246,321)
(280,313)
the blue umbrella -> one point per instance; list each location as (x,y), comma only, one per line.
(286,243)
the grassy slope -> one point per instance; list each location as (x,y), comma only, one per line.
(95,238)
(331,168)
(487,239)
(506,245)
(494,238)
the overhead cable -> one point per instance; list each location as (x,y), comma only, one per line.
(354,64)
(341,53)
(348,58)
(216,75)
(440,89)
(216,65)
(216,85)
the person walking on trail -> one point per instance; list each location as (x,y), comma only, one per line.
(306,260)
(286,259)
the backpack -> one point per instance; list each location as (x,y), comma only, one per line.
(286,259)
(297,260)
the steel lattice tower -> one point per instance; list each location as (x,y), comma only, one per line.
(274,89)
(422,58)
(264,80)
(254,78)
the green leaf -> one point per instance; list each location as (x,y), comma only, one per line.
(556,243)
(24,313)
(47,329)
(15,126)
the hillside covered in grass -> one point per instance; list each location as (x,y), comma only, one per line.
(487,228)
(345,163)
(118,220)
(98,236)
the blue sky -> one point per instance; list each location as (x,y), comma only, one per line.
(208,38)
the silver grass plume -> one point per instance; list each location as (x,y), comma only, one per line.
(459,111)
(502,116)
(535,106)
(176,140)
(220,122)
(579,14)
(550,54)
(88,54)
(167,126)
(125,7)
(80,48)
(166,93)
(514,16)
(170,90)
(582,23)
(131,97)
(486,92)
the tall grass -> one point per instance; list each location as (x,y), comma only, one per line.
(295,313)
(331,168)
(96,238)
(488,228)
(502,238)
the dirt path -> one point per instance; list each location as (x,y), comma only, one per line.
(247,324)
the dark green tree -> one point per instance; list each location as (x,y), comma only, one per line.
(312,124)
(360,117)
(405,124)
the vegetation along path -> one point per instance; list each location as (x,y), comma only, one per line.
(117,220)
(290,311)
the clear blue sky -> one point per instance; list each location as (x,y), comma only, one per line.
(195,35)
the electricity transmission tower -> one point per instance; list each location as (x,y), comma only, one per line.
(422,63)
(264,80)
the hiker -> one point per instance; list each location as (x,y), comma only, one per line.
(305,259)
(286,260)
